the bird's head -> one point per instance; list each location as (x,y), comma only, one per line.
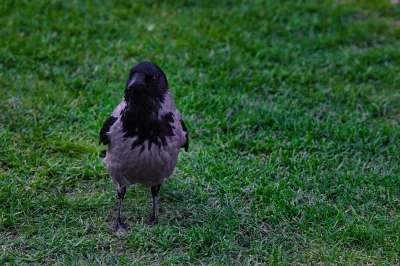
(146,82)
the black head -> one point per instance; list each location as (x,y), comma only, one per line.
(146,82)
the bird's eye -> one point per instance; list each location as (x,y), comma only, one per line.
(153,79)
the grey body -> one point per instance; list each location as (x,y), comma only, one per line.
(151,167)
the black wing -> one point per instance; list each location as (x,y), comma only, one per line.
(105,129)
(186,145)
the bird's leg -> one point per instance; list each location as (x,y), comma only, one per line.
(154,192)
(119,224)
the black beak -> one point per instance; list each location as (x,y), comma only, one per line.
(137,80)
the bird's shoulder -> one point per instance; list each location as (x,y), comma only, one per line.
(184,131)
(109,122)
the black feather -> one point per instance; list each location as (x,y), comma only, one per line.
(186,145)
(139,123)
(105,129)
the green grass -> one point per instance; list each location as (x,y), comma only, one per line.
(293,109)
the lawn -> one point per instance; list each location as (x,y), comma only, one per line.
(293,109)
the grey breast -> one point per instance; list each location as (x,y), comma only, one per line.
(144,165)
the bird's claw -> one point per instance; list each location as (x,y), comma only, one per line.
(119,225)
(153,220)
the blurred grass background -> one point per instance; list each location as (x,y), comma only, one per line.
(293,109)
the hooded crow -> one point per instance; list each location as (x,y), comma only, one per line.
(144,135)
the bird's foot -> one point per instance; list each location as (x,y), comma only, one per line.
(153,220)
(121,226)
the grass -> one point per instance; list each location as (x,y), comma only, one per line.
(293,109)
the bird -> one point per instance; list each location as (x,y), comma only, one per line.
(144,135)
